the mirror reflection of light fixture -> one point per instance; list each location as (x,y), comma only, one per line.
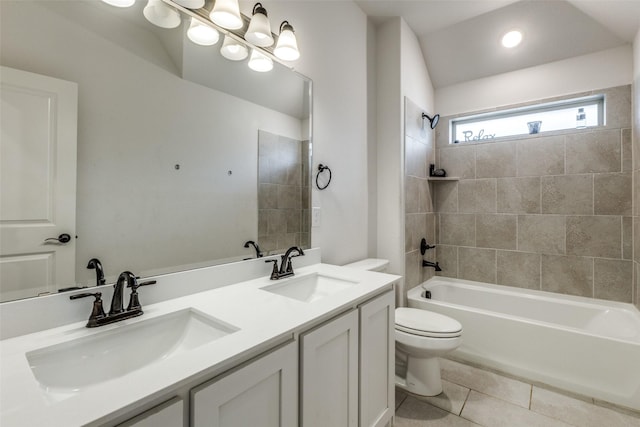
(120,3)
(202,34)
(190,4)
(161,14)
(259,62)
(433,121)
(233,50)
(226,13)
(259,31)
(287,47)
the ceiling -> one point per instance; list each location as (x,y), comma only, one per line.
(460,39)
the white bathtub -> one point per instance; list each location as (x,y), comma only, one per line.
(583,345)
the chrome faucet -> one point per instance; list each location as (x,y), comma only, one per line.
(117,311)
(286,267)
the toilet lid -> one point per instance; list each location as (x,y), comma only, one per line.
(426,323)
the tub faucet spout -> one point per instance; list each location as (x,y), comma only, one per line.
(431,264)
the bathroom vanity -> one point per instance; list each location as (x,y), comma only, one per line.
(315,349)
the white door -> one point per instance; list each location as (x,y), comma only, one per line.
(329,369)
(38,123)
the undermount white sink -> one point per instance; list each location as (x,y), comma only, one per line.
(74,365)
(311,287)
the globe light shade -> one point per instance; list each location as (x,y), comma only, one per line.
(259,31)
(259,62)
(226,13)
(287,46)
(512,39)
(120,3)
(233,49)
(190,4)
(161,14)
(202,34)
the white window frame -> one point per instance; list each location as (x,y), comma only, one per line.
(598,100)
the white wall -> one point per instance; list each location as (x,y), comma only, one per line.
(332,38)
(401,72)
(608,68)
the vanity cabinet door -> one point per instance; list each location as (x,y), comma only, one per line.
(167,414)
(329,369)
(377,361)
(263,393)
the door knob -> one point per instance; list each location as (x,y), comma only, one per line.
(62,239)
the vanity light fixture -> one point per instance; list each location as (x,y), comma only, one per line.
(512,39)
(259,62)
(202,34)
(226,13)
(287,47)
(259,31)
(161,14)
(433,121)
(120,3)
(233,50)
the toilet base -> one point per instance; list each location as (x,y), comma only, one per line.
(422,378)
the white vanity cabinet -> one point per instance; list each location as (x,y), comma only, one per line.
(346,368)
(261,393)
(167,414)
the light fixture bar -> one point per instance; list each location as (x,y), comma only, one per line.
(203,15)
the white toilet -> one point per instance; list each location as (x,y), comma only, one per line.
(421,337)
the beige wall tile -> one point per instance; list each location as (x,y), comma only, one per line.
(477,264)
(612,194)
(613,279)
(496,231)
(541,156)
(495,160)
(570,194)
(627,238)
(447,257)
(430,230)
(567,275)
(636,191)
(636,239)
(412,270)
(518,195)
(598,151)
(294,220)
(597,236)
(457,229)
(627,159)
(520,269)
(415,229)
(289,197)
(618,106)
(276,221)
(477,195)
(425,203)
(415,157)
(459,161)
(541,233)
(267,196)
(412,195)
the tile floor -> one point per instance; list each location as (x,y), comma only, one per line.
(476,397)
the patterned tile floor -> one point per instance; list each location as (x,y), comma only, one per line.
(476,397)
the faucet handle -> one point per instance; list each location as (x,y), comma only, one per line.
(274,272)
(97,312)
(134,302)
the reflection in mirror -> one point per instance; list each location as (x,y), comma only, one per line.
(167,147)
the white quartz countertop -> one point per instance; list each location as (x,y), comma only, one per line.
(264,320)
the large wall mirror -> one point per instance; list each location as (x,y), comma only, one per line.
(182,156)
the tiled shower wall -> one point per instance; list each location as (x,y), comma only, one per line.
(419,214)
(283,193)
(636,187)
(548,212)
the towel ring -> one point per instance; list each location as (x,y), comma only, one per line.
(322,168)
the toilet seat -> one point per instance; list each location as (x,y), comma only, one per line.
(426,323)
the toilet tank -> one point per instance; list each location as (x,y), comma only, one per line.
(370,264)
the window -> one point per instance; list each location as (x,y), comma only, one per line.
(570,114)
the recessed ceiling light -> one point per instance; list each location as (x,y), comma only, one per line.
(512,39)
